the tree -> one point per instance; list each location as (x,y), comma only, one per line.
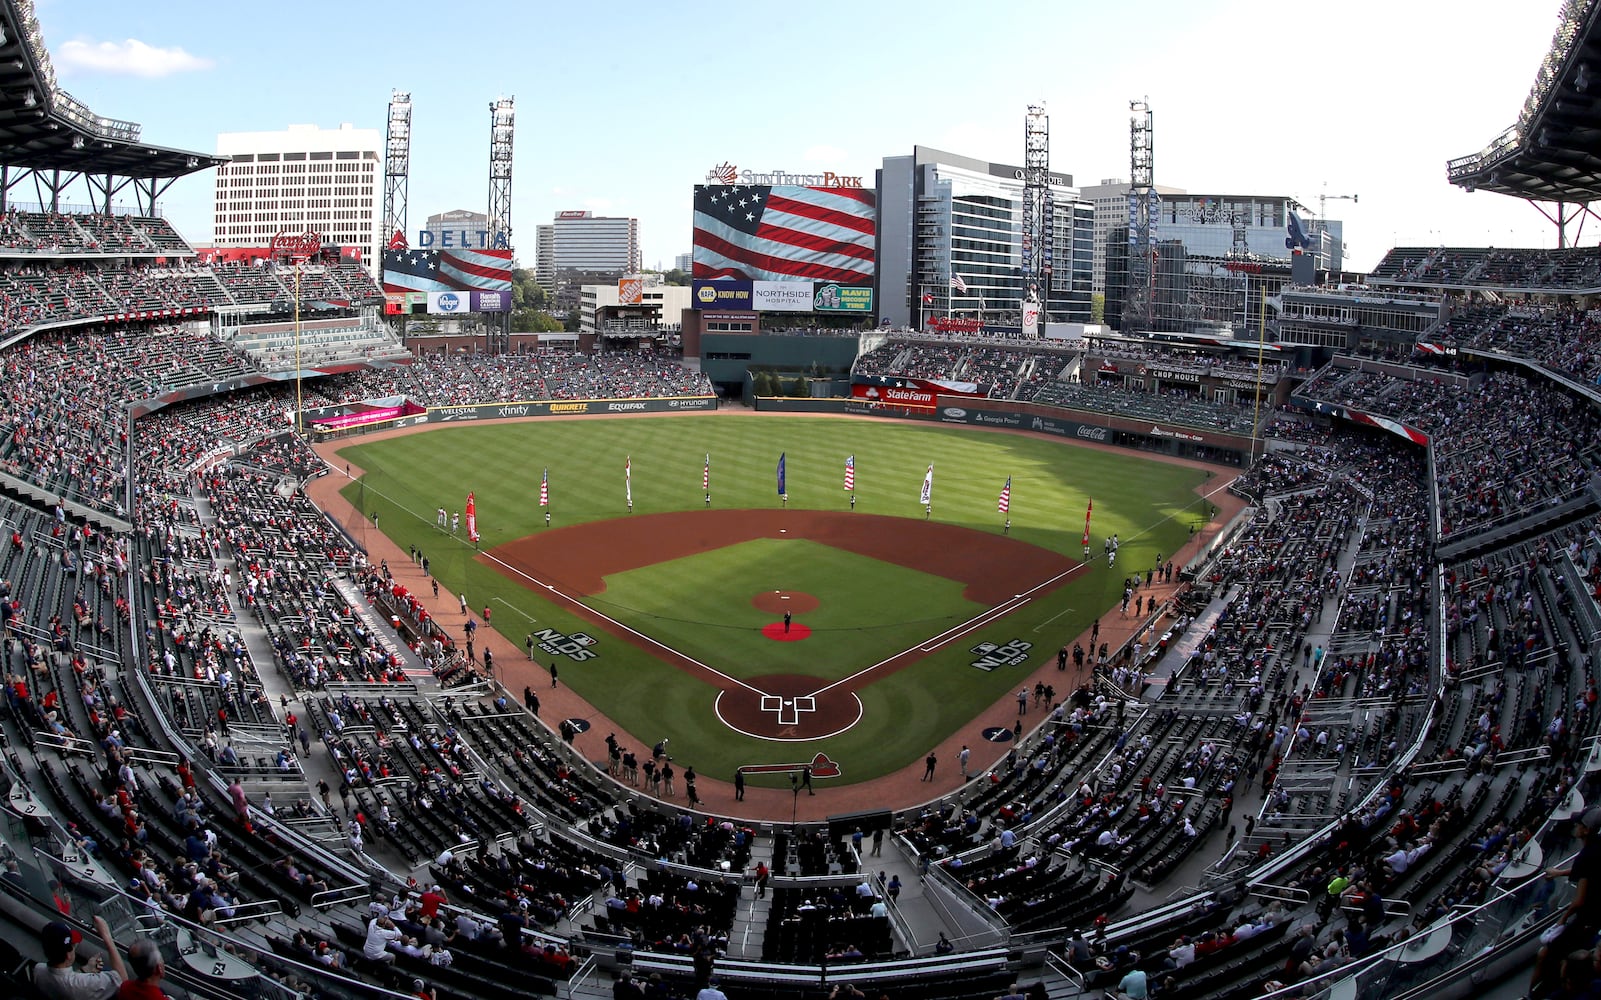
(534,321)
(1097,307)
(675,277)
(798,388)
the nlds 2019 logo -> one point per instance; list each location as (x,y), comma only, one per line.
(1011,654)
(576,646)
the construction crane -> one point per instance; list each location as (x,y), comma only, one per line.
(1324,198)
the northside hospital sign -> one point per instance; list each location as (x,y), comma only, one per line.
(727,173)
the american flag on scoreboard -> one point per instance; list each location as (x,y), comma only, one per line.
(762,232)
(1004,504)
(447,270)
(850,473)
(544,489)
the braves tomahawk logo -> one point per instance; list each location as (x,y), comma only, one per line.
(822,767)
(723,173)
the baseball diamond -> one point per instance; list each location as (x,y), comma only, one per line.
(902,630)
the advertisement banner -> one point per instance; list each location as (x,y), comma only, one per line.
(630,290)
(394,303)
(721,294)
(415,299)
(567,408)
(490,302)
(448,302)
(843,298)
(782,296)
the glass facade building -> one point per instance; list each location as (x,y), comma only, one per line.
(950,234)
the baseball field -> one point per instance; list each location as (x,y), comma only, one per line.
(904,620)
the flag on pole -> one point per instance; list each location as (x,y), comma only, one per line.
(706,475)
(958,284)
(544,488)
(850,473)
(1004,505)
(781,490)
(472,519)
(928,487)
(628,480)
(1087,510)
(928,298)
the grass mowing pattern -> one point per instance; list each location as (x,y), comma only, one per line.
(1150,505)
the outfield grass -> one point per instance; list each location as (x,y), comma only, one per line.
(1150,505)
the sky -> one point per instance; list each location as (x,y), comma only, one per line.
(623,107)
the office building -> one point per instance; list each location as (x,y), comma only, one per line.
(545,257)
(1110,198)
(303,179)
(460,228)
(950,242)
(583,241)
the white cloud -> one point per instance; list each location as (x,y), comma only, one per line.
(129,57)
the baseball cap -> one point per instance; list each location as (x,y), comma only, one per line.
(1591,818)
(58,939)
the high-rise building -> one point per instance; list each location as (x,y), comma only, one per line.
(684,262)
(458,228)
(1110,198)
(950,242)
(545,256)
(303,179)
(1216,260)
(586,242)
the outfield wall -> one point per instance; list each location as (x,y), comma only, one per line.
(500,411)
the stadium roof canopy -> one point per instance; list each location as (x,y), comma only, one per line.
(48,134)
(1553,152)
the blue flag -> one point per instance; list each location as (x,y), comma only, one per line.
(781,489)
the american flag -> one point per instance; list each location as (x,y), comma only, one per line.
(447,270)
(1005,503)
(472,519)
(706,474)
(544,489)
(1087,510)
(958,284)
(763,232)
(850,473)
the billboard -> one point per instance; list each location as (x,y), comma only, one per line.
(448,302)
(630,290)
(447,270)
(721,294)
(843,298)
(490,302)
(775,232)
(782,296)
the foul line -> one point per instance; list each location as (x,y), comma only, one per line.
(945,637)
(614,623)
(586,609)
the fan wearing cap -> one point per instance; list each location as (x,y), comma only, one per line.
(1582,916)
(58,980)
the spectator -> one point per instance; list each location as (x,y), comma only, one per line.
(56,978)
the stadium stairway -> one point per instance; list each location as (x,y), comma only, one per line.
(42,499)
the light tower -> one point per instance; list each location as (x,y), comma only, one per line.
(1139,301)
(397,167)
(1038,250)
(502,119)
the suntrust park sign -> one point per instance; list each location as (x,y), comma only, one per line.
(727,173)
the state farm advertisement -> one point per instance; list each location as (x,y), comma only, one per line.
(910,392)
